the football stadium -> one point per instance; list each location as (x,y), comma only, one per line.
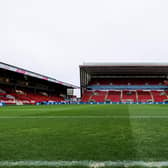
(120,120)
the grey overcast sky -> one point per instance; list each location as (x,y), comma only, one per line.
(53,37)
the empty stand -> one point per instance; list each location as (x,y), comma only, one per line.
(12,96)
(98,96)
(114,90)
(87,95)
(127,82)
(159,96)
(114,96)
(144,96)
(128,95)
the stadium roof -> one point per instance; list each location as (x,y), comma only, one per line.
(125,68)
(125,63)
(35,75)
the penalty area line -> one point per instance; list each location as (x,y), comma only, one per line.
(83,163)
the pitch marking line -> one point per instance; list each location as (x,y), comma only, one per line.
(84,163)
(92,117)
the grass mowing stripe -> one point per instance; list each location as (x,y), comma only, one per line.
(85,163)
(81,117)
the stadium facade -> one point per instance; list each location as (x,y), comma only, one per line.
(20,86)
(124,82)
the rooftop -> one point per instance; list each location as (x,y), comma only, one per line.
(132,68)
(34,74)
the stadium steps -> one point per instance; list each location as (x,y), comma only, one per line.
(151,96)
(136,96)
(121,96)
(166,94)
(106,96)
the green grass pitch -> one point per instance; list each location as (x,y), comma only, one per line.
(84,132)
